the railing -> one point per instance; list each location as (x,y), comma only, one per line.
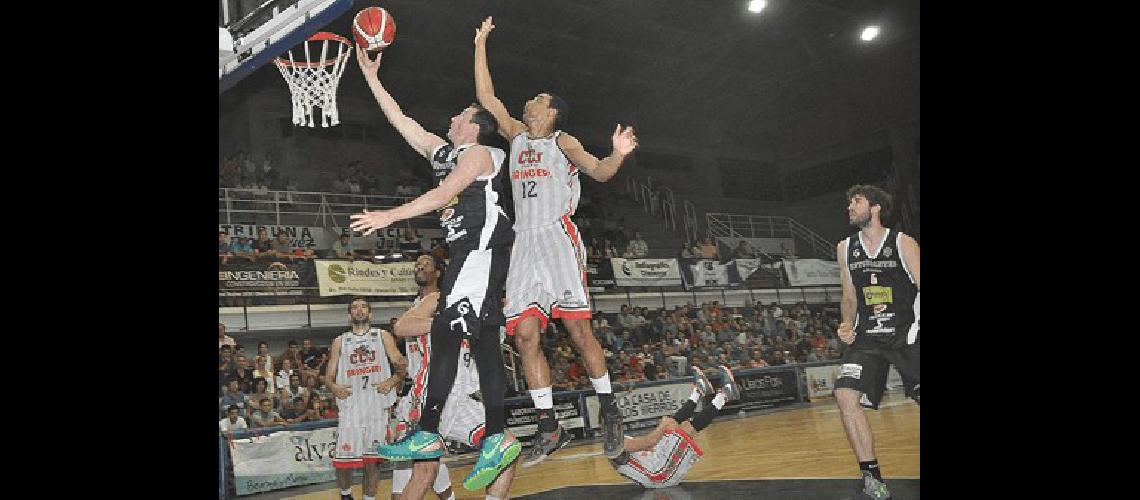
(765,226)
(818,244)
(327,209)
(644,192)
(669,208)
(691,222)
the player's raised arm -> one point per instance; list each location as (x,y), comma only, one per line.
(419,139)
(624,142)
(485,90)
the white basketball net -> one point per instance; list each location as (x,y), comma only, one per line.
(313,83)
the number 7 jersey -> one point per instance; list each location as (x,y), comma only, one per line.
(544,183)
(362,417)
(363,363)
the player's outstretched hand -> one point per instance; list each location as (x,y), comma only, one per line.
(368,222)
(484,30)
(367,65)
(624,140)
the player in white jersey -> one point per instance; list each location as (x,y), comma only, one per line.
(462,417)
(428,271)
(360,377)
(547,274)
(663,457)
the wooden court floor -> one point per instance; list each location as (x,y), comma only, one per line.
(799,443)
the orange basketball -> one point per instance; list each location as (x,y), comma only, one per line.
(373,28)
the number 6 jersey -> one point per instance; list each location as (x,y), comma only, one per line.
(884,290)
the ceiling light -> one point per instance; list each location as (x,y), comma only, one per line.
(869,33)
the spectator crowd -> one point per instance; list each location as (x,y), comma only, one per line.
(257,388)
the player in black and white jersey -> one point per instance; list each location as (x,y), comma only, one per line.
(547,276)
(462,419)
(880,309)
(471,290)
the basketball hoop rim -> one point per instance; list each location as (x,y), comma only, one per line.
(318,37)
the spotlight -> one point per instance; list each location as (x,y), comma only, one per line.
(869,33)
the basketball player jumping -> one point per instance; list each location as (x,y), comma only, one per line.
(470,304)
(362,381)
(880,309)
(663,457)
(462,417)
(547,274)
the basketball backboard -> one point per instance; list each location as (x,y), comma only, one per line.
(267,31)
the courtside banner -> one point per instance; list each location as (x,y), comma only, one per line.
(283,459)
(706,274)
(821,380)
(361,277)
(240,277)
(643,406)
(764,388)
(811,272)
(522,418)
(646,272)
(599,275)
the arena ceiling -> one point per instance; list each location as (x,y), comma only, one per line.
(703,69)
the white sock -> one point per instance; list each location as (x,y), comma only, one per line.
(602,384)
(492,497)
(543,398)
(695,396)
(442,480)
(718,401)
(400,479)
(346,492)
